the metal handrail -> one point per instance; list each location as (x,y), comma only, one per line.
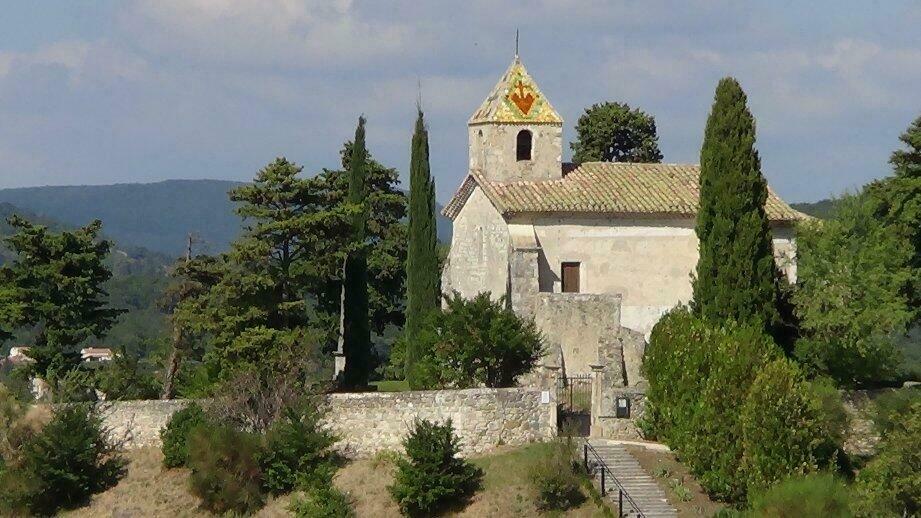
(622,491)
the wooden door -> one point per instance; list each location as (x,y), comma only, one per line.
(570,277)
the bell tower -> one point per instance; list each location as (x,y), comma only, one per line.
(516,134)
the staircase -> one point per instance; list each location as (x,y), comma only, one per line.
(642,489)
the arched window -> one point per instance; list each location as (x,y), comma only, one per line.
(523,147)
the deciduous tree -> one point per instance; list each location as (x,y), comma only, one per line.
(614,132)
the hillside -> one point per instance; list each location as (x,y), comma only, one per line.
(823,209)
(155,216)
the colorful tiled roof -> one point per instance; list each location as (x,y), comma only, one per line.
(516,99)
(625,189)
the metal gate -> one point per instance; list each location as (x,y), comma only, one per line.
(574,400)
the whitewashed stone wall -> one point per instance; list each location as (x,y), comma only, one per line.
(479,257)
(370,422)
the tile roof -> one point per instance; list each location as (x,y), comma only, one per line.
(616,188)
(516,99)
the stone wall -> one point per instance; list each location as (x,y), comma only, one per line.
(483,418)
(605,423)
(374,421)
(478,260)
(578,323)
(139,422)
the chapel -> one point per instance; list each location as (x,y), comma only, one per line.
(590,250)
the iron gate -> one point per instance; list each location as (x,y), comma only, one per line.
(574,400)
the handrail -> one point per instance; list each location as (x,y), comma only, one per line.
(622,491)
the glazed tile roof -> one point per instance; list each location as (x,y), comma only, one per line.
(516,99)
(625,189)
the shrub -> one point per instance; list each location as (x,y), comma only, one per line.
(225,469)
(474,342)
(175,435)
(431,476)
(784,430)
(125,378)
(297,452)
(555,479)
(62,465)
(890,484)
(322,502)
(891,408)
(712,441)
(818,494)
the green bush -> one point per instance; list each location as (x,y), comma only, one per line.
(785,431)
(890,409)
(322,502)
(473,343)
(62,465)
(226,475)
(175,435)
(890,484)
(819,494)
(431,477)
(712,440)
(555,478)
(297,452)
(126,378)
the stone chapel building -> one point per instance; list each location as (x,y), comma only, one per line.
(595,252)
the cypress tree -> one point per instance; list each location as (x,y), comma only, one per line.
(356,327)
(736,275)
(422,282)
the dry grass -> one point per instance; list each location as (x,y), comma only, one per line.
(680,487)
(148,490)
(505,492)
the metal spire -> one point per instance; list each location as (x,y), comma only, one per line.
(516,43)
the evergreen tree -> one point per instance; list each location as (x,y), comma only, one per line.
(261,306)
(422,282)
(736,275)
(56,285)
(356,328)
(897,202)
(385,238)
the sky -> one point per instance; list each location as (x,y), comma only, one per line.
(146,90)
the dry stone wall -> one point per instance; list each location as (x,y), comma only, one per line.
(367,423)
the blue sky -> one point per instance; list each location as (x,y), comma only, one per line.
(145,90)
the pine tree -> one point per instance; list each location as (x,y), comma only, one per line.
(422,282)
(736,275)
(356,327)
(56,284)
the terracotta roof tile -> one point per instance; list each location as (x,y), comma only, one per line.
(616,188)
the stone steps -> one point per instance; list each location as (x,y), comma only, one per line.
(642,488)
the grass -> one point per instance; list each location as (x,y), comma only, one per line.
(150,490)
(391,385)
(505,492)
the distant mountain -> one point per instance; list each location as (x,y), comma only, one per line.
(156,216)
(823,209)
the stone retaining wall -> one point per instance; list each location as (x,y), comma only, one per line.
(606,424)
(370,422)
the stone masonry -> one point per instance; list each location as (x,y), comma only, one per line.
(369,422)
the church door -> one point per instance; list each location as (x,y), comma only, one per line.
(570,277)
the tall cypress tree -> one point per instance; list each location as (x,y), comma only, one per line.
(736,275)
(356,326)
(422,286)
